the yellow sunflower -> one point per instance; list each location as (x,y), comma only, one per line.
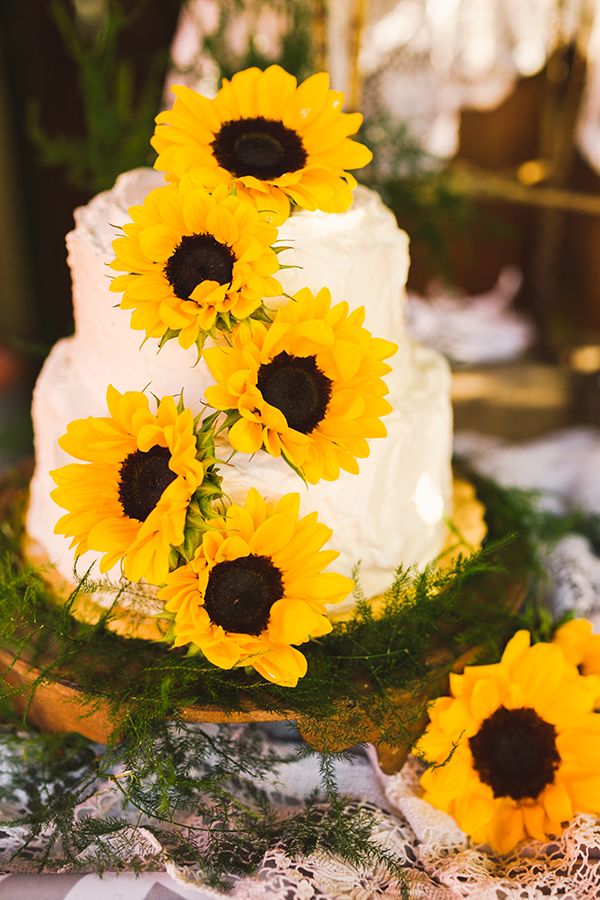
(141,477)
(308,386)
(516,746)
(193,262)
(275,140)
(255,587)
(580,646)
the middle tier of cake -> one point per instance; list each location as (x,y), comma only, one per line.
(393,512)
(360,255)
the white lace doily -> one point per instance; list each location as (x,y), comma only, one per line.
(567,868)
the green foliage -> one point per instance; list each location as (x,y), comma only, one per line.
(418,187)
(118,114)
(118,111)
(540,530)
(375,671)
(16,437)
(294,51)
(168,775)
(448,610)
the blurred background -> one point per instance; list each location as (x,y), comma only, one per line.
(485,120)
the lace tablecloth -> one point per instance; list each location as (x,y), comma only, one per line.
(439,863)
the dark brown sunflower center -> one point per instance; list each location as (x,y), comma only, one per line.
(240,593)
(515,752)
(143,477)
(198,258)
(260,147)
(296,386)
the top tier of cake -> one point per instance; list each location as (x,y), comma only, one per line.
(360,255)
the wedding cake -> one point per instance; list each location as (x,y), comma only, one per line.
(393,512)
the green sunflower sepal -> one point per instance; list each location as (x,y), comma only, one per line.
(193,531)
(199,511)
(173,334)
(205,435)
(231,416)
(225,323)
(170,636)
(200,506)
(169,334)
(294,468)
(262,314)
(228,418)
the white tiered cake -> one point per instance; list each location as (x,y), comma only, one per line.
(392,513)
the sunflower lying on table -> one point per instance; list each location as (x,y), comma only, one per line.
(514,750)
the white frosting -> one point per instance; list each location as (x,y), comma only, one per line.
(391,513)
(341,252)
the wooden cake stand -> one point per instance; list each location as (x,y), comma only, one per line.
(59,706)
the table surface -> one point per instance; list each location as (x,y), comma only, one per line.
(148,886)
